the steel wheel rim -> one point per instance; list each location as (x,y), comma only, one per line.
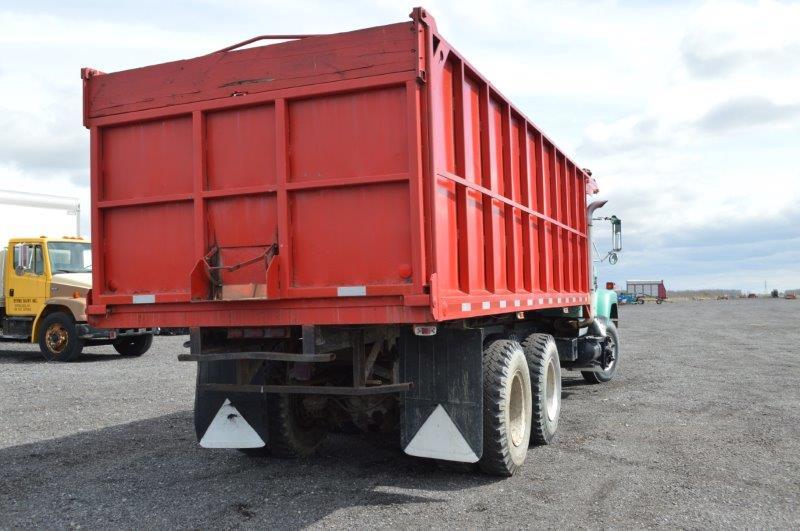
(613,347)
(517,421)
(56,338)
(551,389)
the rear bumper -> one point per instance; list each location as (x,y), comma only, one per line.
(86,331)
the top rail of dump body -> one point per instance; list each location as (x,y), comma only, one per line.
(283,85)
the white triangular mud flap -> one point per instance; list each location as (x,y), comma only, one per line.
(439,438)
(229,429)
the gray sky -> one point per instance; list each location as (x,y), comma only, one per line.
(688,113)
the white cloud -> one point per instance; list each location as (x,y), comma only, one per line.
(686,112)
(712,146)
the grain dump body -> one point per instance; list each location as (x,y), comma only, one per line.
(397,183)
(364,181)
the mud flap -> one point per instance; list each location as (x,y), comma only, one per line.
(443,413)
(228,420)
(229,429)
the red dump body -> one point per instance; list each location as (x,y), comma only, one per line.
(394,182)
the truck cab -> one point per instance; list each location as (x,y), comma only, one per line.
(45,282)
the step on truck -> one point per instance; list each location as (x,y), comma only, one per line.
(359,230)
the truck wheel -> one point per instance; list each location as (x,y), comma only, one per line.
(506,407)
(133,346)
(545,369)
(58,338)
(612,351)
(292,432)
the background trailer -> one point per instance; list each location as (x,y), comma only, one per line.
(647,288)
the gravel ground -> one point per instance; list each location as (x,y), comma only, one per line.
(700,429)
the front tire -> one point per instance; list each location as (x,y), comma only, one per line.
(545,368)
(58,338)
(506,408)
(612,352)
(133,346)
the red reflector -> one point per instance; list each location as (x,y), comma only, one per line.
(424,330)
(609,285)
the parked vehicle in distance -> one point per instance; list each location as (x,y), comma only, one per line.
(359,230)
(44,283)
(644,290)
(44,280)
(629,298)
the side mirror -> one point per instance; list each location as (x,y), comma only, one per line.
(616,233)
(22,258)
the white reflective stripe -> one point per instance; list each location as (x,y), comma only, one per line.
(229,429)
(351,291)
(502,304)
(516,303)
(144,299)
(541,301)
(486,305)
(530,302)
(439,438)
(466,307)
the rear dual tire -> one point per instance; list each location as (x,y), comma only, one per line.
(545,370)
(521,401)
(507,407)
(292,433)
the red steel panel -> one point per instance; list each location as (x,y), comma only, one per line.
(344,248)
(147,261)
(129,153)
(323,59)
(346,135)
(397,182)
(448,196)
(240,147)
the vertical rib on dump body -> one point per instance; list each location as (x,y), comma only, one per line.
(372,176)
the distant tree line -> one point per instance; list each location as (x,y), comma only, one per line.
(713,293)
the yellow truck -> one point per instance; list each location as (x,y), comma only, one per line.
(44,283)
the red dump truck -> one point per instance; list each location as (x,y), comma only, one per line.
(359,230)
